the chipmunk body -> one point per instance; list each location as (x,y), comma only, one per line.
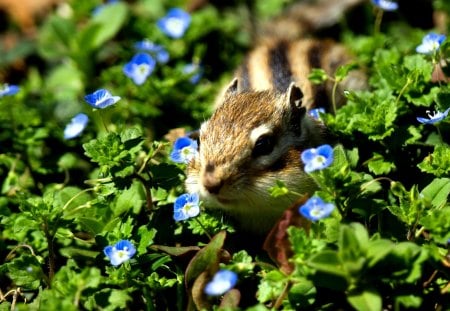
(260,127)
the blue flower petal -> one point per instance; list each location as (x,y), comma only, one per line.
(147,45)
(120,252)
(315,209)
(317,158)
(8,90)
(175,23)
(101,99)
(186,206)
(185,149)
(223,281)
(76,126)
(315,113)
(434,118)
(139,68)
(195,71)
(127,246)
(386,5)
(430,43)
(108,250)
(162,56)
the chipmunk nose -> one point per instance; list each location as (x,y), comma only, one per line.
(211,181)
(213,188)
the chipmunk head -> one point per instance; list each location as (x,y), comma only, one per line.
(252,140)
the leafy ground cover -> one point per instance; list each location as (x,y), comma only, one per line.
(93,214)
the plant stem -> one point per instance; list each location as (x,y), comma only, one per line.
(75,196)
(148,193)
(378,19)
(51,253)
(333,96)
(203,227)
(408,82)
(283,294)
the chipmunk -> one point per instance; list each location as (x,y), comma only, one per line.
(255,136)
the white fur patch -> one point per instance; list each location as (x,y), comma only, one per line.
(258,131)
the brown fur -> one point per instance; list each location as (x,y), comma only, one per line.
(267,102)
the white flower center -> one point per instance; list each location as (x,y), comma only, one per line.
(319,160)
(175,25)
(434,114)
(188,153)
(143,69)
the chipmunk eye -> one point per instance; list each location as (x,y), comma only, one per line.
(264,145)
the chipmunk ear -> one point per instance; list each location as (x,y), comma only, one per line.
(295,96)
(232,88)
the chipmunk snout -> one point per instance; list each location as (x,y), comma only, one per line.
(211,181)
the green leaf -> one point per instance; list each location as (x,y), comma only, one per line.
(131,199)
(377,250)
(55,37)
(317,76)
(25,271)
(409,301)
(207,258)
(271,286)
(302,293)
(437,192)
(146,238)
(118,299)
(437,163)
(353,243)
(103,26)
(367,300)
(342,71)
(370,113)
(66,83)
(379,166)
(329,262)
(438,225)
(279,189)
(166,175)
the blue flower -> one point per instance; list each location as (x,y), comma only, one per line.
(434,118)
(194,71)
(386,5)
(120,252)
(101,99)
(9,90)
(175,23)
(184,150)
(223,281)
(430,43)
(186,206)
(315,113)
(76,126)
(158,51)
(317,158)
(315,209)
(139,68)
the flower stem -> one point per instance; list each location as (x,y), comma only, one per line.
(203,227)
(333,96)
(378,19)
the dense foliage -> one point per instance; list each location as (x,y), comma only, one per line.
(88,183)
